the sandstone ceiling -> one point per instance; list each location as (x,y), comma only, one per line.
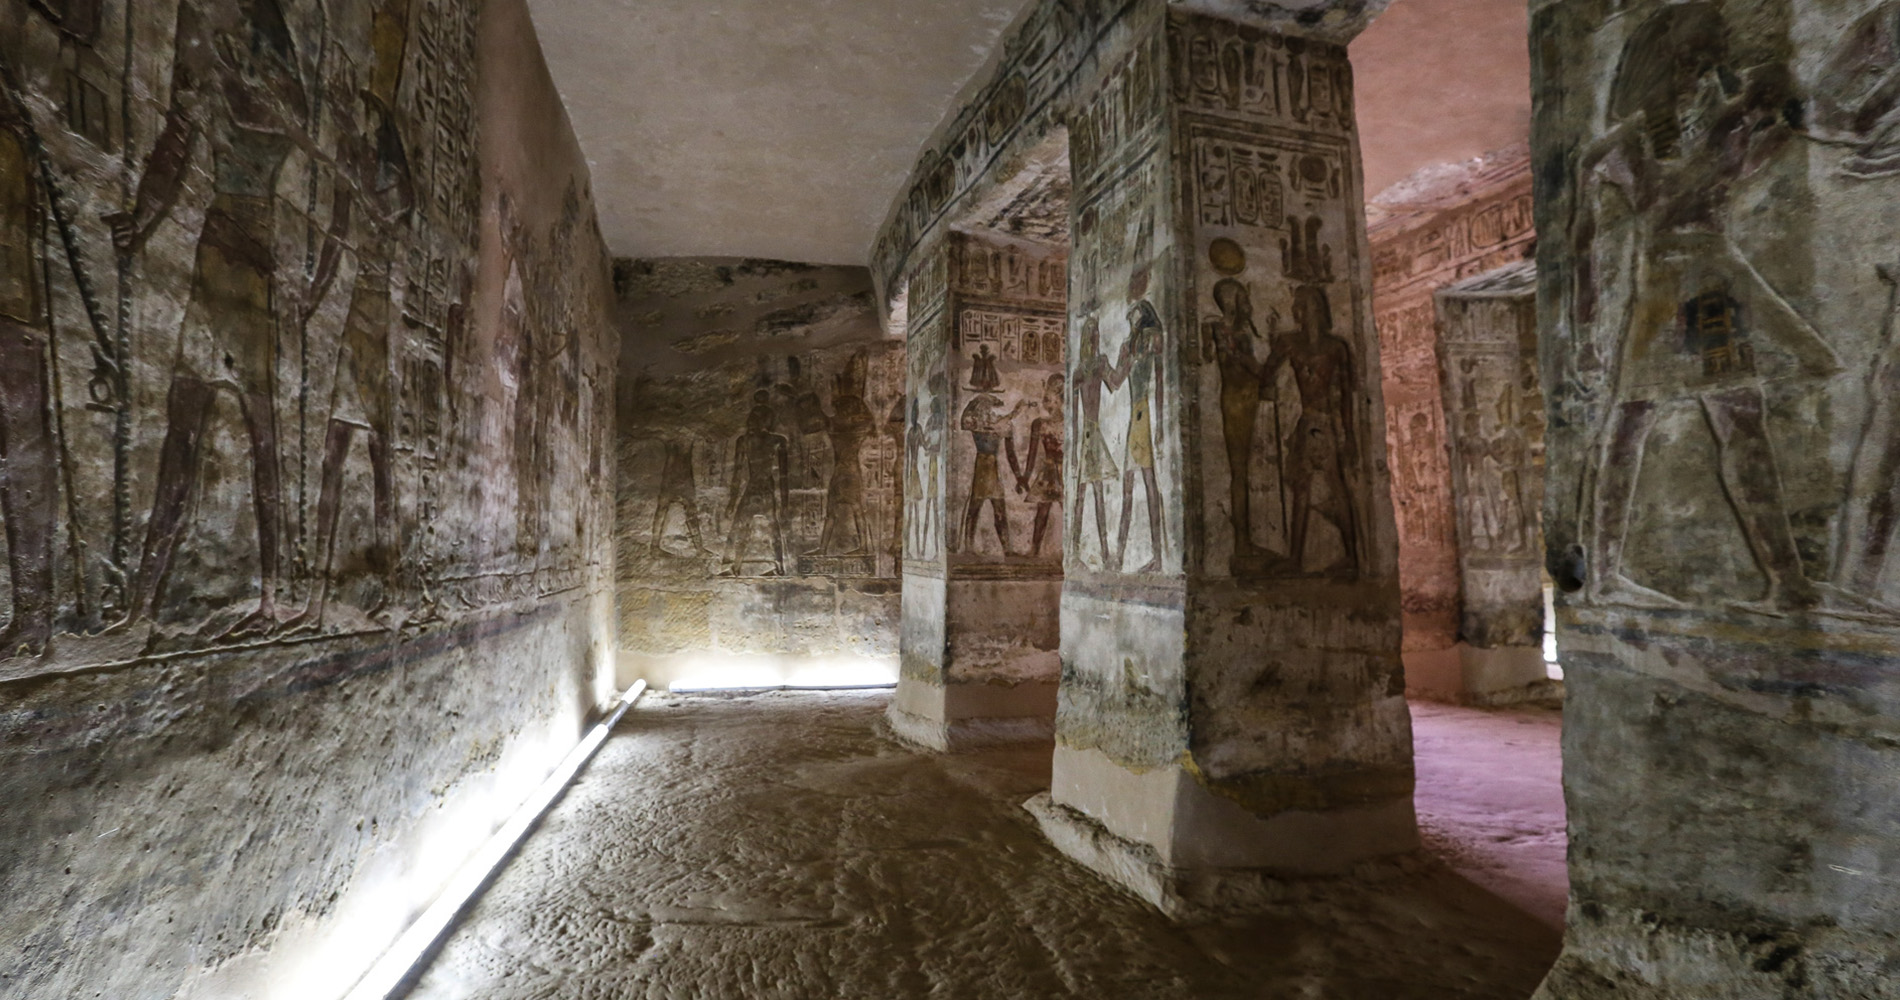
(1441,81)
(783,128)
(758,128)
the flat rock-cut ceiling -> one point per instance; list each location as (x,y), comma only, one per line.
(758,128)
(1440,81)
(767,128)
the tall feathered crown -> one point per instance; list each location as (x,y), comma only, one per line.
(983,374)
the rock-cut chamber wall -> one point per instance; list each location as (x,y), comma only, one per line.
(761,443)
(305,390)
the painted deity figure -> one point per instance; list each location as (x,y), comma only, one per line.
(1233,338)
(849,424)
(1686,128)
(235,86)
(378,196)
(1094,465)
(1139,367)
(914,498)
(894,430)
(1039,480)
(1323,441)
(678,488)
(988,424)
(936,425)
(760,486)
(1484,511)
(28,493)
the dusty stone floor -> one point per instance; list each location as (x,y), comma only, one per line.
(1491,800)
(777,846)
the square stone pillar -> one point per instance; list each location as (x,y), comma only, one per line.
(983,539)
(1232,702)
(1719,302)
(1494,431)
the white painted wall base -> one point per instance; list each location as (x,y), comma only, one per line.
(1164,836)
(968,716)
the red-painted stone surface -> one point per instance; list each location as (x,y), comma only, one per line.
(1430,233)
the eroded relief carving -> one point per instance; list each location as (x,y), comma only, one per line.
(1695,339)
(208,301)
(29,495)
(760,488)
(1699,319)
(236,85)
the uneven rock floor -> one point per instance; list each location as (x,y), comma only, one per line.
(778,846)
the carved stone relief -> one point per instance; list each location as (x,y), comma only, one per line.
(1281,345)
(233,320)
(766,435)
(1459,228)
(1007,345)
(1697,350)
(1495,429)
(306,388)
(1717,310)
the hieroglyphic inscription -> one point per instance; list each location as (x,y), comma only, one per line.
(1416,250)
(1006,366)
(1008,271)
(1495,430)
(1238,185)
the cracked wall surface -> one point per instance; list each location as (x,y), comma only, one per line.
(305,385)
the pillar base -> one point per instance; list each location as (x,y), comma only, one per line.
(957,717)
(1194,854)
(1485,678)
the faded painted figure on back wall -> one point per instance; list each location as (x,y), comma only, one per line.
(762,473)
(760,488)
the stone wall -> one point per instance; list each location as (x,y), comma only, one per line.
(762,430)
(1717,194)
(1430,232)
(305,383)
